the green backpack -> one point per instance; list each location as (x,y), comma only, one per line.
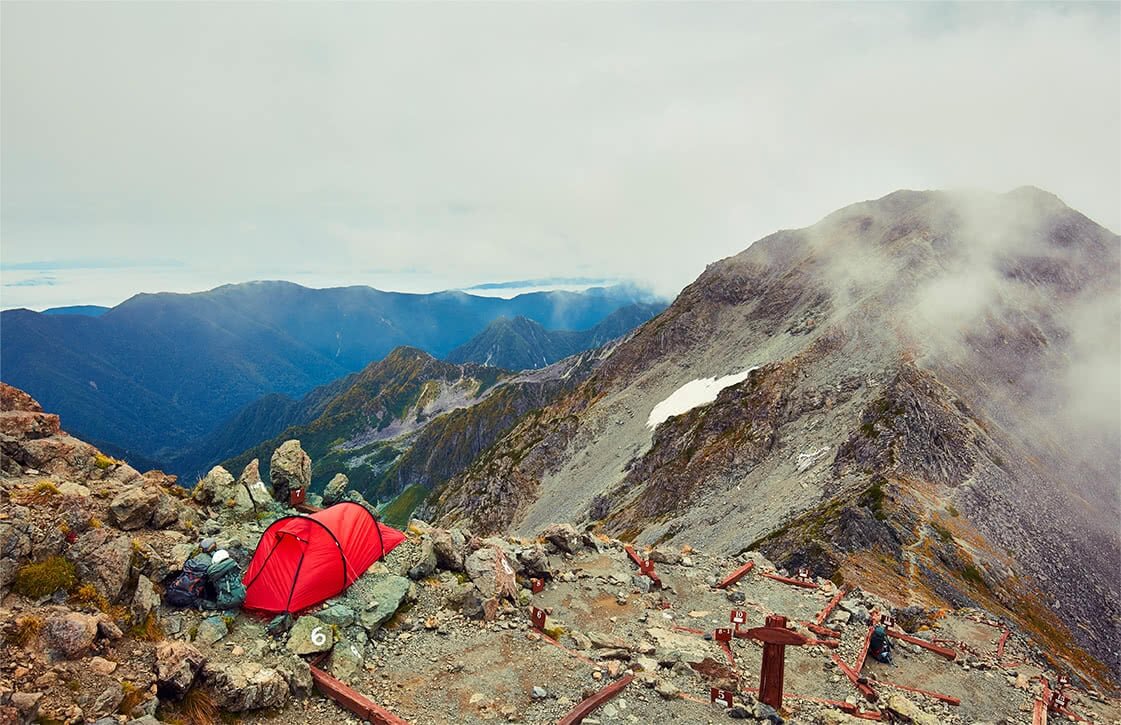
(225,577)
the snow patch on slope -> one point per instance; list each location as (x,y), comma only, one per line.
(692,394)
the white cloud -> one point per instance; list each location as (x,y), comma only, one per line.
(436,145)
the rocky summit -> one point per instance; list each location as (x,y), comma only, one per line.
(451,626)
(918,394)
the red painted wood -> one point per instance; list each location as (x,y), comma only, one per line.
(788,580)
(1003,641)
(586,707)
(823,631)
(727,652)
(1039,714)
(824,613)
(645,566)
(941,651)
(690,630)
(854,678)
(772,635)
(864,650)
(736,575)
(346,697)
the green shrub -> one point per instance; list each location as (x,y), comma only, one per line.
(45,577)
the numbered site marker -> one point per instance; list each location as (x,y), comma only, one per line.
(318,637)
(722,634)
(536,585)
(537,618)
(738,616)
(715,694)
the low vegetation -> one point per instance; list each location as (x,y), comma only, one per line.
(24,630)
(46,577)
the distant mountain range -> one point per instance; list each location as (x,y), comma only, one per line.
(522,344)
(159,372)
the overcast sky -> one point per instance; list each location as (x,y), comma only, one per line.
(160,146)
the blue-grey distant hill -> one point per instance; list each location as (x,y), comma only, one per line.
(520,343)
(159,371)
(87,310)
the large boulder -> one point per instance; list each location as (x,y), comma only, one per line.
(133,507)
(492,572)
(144,600)
(215,487)
(70,635)
(310,635)
(177,664)
(245,685)
(103,557)
(450,547)
(233,499)
(385,593)
(564,537)
(335,490)
(346,660)
(533,561)
(289,468)
(426,564)
(259,493)
(672,647)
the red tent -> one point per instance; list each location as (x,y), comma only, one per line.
(303,560)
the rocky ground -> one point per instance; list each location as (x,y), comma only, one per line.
(437,632)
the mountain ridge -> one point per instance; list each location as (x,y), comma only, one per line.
(915,353)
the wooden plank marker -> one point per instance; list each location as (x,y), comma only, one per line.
(736,575)
(586,707)
(346,697)
(775,638)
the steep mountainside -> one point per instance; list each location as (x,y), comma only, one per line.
(410,422)
(521,343)
(262,419)
(160,371)
(921,391)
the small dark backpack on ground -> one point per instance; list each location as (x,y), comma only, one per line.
(189,588)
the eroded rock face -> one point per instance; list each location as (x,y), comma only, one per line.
(12,398)
(103,557)
(215,487)
(177,664)
(70,635)
(289,468)
(335,490)
(386,592)
(144,600)
(242,686)
(563,537)
(491,572)
(133,508)
(426,564)
(450,547)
